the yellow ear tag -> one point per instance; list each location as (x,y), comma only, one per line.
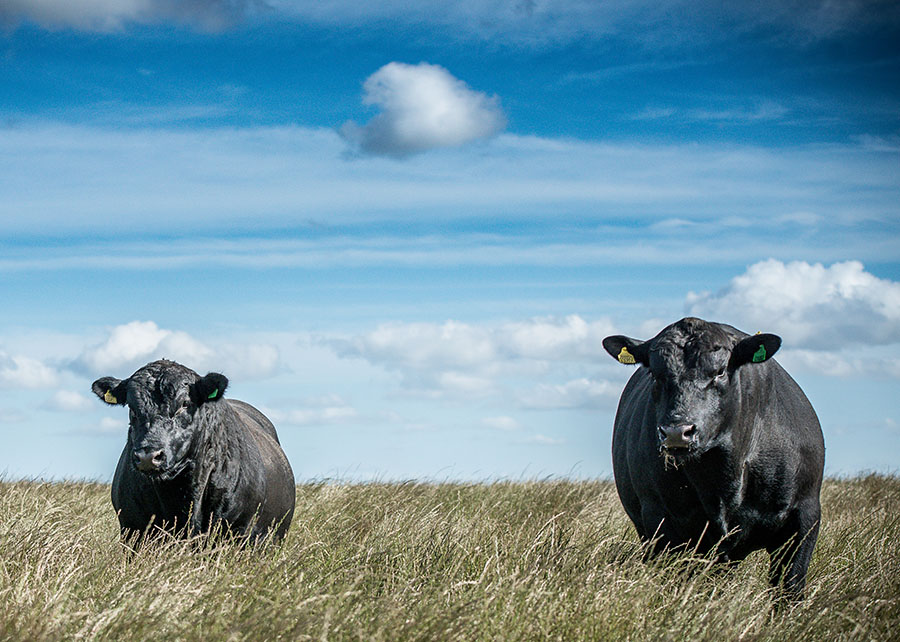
(108,398)
(625,356)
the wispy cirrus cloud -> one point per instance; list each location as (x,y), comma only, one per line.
(115,15)
(539,22)
(103,186)
(534,23)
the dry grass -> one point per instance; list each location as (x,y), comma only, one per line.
(537,560)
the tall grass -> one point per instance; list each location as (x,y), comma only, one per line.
(555,560)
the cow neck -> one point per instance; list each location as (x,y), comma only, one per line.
(215,444)
(719,475)
(174,497)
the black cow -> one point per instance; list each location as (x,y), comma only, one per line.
(716,447)
(194,459)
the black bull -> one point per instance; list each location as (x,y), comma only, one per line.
(715,447)
(194,460)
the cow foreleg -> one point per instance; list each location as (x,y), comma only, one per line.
(789,563)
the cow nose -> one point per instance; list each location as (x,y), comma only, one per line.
(680,436)
(148,460)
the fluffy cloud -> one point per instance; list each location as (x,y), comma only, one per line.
(113,15)
(567,338)
(423,345)
(24,372)
(422,107)
(69,401)
(810,305)
(137,342)
(578,393)
(315,411)
(132,345)
(468,360)
(851,363)
(456,345)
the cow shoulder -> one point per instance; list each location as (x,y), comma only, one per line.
(253,419)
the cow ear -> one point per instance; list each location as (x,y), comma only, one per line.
(626,350)
(209,388)
(755,349)
(111,390)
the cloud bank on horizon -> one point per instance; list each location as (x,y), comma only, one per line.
(834,312)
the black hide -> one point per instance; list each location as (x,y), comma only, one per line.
(194,460)
(715,447)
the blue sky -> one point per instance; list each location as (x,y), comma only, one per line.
(403,231)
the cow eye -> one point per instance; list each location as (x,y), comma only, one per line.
(721,373)
(182,407)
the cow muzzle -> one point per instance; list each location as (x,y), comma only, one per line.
(675,437)
(149,460)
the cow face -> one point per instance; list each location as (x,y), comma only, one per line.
(694,366)
(166,403)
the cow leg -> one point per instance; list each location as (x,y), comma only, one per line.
(656,531)
(789,562)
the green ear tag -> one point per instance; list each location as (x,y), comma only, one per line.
(213,394)
(109,398)
(625,356)
(759,355)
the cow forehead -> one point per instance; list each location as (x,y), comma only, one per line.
(161,380)
(687,346)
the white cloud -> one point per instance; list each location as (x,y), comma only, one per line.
(111,426)
(137,342)
(553,338)
(315,411)
(659,22)
(12,416)
(215,176)
(527,22)
(69,401)
(810,305)
(867,363)
(501,423)
(114,15)
(423,345)
(578,393)
(766,110)
(422,107)
(478,360)
(131,345)
(544,440)
(246,360)
(455,345)
(18,371)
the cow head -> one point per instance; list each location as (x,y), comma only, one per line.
(695,366)
(166,407)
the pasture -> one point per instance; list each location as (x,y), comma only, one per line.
(529,560)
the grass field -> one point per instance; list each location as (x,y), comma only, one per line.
(538,560)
